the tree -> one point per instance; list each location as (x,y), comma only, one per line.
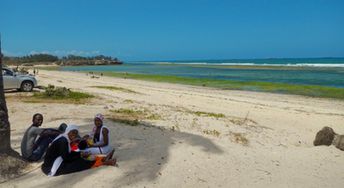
(14,165)
(5,134)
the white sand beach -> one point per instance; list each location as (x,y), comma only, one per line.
(263,140)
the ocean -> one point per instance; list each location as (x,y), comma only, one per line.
(304,71)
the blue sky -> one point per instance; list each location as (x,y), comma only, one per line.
(174,29)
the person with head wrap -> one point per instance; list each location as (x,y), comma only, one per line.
(99,139)
(59,158)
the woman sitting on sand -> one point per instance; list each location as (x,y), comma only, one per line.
(99,139)
(59,158)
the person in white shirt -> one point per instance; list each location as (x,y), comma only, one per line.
(99,139)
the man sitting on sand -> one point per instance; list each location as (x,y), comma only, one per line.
(32,148)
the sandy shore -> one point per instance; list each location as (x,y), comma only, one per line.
(263,140)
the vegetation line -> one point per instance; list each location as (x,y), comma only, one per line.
(284,88)
(115,88)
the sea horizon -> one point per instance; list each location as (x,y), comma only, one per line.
(298,62)
(320,72)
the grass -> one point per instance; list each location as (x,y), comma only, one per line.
(128,101)
(239,138)
(132,117)
(205,114)
(212,132)
(59,94)
(73,95)
(114,88)
(305,90)
(199,113)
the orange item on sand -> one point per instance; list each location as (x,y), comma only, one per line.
(98,162)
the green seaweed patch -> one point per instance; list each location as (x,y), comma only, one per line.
(297,89)
(115,88)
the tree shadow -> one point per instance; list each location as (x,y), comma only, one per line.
(17,91)
(142,151)
(146,150)
(11,91)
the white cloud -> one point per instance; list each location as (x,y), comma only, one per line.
(33,52)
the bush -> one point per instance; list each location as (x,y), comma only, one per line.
(61,93)
(58,92)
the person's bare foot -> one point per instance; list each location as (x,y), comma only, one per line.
(110,162)
(109,156)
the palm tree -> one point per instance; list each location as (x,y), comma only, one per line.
(5,134)
(12,169)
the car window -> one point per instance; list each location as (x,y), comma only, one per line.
(7,72)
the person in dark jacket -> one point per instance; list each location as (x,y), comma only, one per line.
(59,158)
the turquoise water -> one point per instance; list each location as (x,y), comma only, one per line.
(299,62)
(321,71)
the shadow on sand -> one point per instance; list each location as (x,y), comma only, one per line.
(141,151)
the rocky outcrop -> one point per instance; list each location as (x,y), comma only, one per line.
(327,136)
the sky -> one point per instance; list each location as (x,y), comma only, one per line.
(144,30)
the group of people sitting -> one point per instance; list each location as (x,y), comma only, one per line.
(64,151)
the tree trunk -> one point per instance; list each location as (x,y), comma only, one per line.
(5,134)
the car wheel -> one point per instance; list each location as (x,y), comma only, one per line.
(26,86)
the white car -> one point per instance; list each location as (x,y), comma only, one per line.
(13,80)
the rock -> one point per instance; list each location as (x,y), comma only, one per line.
(327,136)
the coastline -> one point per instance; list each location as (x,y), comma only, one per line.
(199,136)
(281,88)
(259,86)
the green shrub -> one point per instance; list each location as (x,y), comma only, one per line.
(56,92)
(61,93)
